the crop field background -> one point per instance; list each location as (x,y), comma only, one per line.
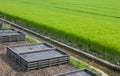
(94,23)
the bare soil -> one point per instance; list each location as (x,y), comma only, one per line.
(9,68)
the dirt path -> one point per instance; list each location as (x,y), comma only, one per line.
(10,68)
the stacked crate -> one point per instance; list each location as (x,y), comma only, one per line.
(36,56)
(1,24)
(83,72)
(10,35)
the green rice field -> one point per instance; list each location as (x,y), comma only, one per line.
(93,23)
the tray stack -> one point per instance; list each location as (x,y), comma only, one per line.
(36,56)
(83,72)
(10,35)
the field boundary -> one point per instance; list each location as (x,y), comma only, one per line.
(89,56)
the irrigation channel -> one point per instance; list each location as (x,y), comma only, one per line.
(110,69)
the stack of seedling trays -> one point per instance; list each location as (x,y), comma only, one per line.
(36,56)
(10,35)
(83,72)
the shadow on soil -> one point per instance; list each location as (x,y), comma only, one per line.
(11,63)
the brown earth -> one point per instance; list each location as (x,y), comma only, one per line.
(9,68)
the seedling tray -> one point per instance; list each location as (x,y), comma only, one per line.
(83,72)
(10,35)
(36,56)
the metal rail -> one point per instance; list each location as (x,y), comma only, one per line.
(89,56)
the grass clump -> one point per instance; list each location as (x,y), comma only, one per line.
(82,65)
(31,39)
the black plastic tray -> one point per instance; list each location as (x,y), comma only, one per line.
(83,72)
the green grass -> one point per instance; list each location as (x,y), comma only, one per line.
(82,65)
(31,39)
(93,23)
(5,26)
